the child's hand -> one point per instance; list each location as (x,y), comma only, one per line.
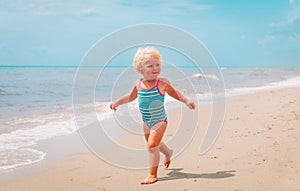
(190,104)
(113,107)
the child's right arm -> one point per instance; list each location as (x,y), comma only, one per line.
(125,99)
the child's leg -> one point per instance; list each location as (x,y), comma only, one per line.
(163,148)
(153,144)
(146,131)
(167,152)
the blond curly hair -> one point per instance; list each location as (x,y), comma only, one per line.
(143,55)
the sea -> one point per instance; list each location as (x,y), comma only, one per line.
(36,102)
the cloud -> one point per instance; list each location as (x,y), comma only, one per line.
(45,13)
(295,38)
(292,2)
(293,15)
(172,11)
(285,31)
(243,37)
(88,12)
(183,8)
(167,5)
(276,24)
(267,39)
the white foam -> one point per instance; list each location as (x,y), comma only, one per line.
(210,97)
(16,158)
(17,147)
(288,83)
(104,111)
(207,76)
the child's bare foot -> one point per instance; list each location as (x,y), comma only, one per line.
(150,180)
(168,159)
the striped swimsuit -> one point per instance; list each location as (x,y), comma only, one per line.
(151,105)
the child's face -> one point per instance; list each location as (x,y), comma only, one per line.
(151,69)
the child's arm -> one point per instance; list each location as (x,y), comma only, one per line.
(177,95)
(125,99)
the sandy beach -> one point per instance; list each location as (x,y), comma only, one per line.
(257,149)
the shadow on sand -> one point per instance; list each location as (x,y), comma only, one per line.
(176,174)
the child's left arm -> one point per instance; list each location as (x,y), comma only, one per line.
(177,95)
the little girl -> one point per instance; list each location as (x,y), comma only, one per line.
(150,91)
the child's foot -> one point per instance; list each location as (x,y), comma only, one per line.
(150,180)
(168,159)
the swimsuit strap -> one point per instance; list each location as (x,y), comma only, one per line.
(157,82)
(139,85)
(155,86)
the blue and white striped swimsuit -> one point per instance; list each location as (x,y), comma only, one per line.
(151,105)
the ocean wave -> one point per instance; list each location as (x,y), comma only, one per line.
(2,92)
(210,97)
(286,83)
(10,159)
(205,76)
(17,146)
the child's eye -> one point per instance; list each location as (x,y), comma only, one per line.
(150,66)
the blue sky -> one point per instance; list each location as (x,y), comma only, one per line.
(239,33)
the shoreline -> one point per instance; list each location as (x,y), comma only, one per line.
(72,146)
(29,124)
(257,148)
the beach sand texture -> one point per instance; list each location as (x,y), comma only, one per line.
(258,148)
